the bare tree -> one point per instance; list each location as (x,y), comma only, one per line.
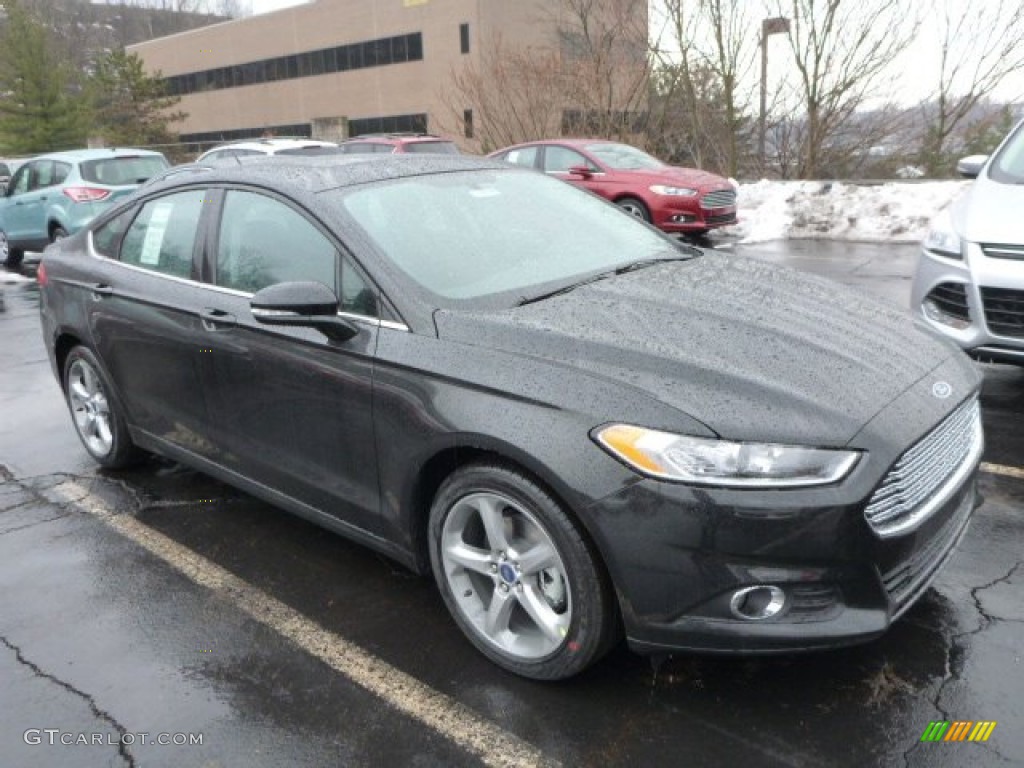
(516,95)
(844,55)
(981,44)
(590,77)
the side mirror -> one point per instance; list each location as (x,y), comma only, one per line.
(308,304)
(581,170)
(969,167)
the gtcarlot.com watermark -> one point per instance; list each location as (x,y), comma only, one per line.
(55,736)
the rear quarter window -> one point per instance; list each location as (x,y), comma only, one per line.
(122,171)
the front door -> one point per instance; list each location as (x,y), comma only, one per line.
(291,407)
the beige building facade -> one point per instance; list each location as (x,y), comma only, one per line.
(333,68)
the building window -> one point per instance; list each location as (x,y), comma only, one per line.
(467,123)
(390,124)
(464,37)
(371,53)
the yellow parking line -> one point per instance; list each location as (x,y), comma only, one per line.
(1001,469)
(493,745)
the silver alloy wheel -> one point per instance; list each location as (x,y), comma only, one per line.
(89,408)
(633,208)
(506,575)
(5,247)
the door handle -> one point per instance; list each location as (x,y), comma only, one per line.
(215,319)
(43,197)
(19,202)
(99,290)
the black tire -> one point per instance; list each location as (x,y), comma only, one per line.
(583,598)
(58,233)
(635,207)
(121,451)
(11,257)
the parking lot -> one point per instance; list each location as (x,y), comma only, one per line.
(159,602)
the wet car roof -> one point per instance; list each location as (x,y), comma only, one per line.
(311,175)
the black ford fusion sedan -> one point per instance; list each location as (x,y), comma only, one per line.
(581,427)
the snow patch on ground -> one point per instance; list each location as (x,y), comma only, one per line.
(14,278)
(891,212)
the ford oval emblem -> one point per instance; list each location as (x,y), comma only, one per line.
(942,390)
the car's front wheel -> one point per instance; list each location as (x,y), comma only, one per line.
(58,233)
(517,575)
(634,207)
(95,412)
(11,257)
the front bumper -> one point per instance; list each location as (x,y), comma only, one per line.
(975,273)
(837,594)
(688,214)
(680,556)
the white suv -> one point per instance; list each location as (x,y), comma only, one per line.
(969,283)
(266,147)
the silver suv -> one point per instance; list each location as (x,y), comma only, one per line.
(969,283)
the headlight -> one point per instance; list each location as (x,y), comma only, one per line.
(661,189)
(941,239)
(723,463)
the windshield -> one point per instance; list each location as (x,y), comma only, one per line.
(1008,165)
(622,157)
(121,171)
(479,233)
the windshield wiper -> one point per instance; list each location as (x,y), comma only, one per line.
(566,288)
(620,270)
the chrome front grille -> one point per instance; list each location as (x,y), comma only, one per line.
(922,479)
(723,198)
(998,251)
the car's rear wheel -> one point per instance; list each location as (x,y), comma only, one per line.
(517,575)
(95,412)
(635,207)
(11,257)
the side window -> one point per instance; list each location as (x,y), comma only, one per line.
(107,237)
(19,184)
(163,235)
(263,242)
(561,159)
(60,172)
(526,156)
(44,174)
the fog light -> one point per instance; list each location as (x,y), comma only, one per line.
(755,603)
(933,312)
(683,218)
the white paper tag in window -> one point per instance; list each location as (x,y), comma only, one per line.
(155,230)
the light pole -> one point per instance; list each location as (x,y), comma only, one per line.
(775,26)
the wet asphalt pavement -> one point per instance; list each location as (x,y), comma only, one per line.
(159,601)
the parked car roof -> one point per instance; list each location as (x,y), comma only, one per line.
(78,155)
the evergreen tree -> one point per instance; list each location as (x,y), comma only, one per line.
(40,110)
(129,107)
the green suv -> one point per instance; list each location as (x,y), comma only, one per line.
(55,195)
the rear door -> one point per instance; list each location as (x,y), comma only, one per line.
(292,407)
(144,304)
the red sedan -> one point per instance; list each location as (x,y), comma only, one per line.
(684,200)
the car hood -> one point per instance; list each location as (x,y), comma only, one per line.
(989,213)
(753,351)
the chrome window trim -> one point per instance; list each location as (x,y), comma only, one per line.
(364,319)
